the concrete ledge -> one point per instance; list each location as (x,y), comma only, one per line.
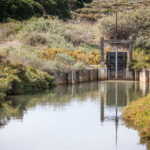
(100,74)
(78,76)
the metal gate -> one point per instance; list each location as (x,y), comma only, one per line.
(111,65)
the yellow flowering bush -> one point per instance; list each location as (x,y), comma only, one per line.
(91,58)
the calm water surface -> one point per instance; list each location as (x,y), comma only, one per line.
(80,117)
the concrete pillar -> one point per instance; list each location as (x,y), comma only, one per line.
(136,75)
(144,76)
(71,77)
(129,75)
(130,50)
(93,74)
(102,73)
(61,78)
(144,79)
(80,75)
(102,51)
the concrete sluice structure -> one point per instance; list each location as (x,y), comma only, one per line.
(116,68)
(100,74)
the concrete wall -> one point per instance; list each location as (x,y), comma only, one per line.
(144,76)
(78,76)
(61,78)
(102,73)
(129,75)
(89,75)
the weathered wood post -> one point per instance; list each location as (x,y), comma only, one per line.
(130,50)
(102,51)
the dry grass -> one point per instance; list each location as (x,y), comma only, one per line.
(35,35)
(102,8)
(8,31)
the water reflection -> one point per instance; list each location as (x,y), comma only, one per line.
(111,97)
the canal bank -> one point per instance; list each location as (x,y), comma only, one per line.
(137,115)
(101,74)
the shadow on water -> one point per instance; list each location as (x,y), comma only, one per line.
(107,94)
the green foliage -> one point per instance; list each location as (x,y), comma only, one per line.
(19,9)
(24,9)
(36,39)
(19,79)
(52,30)
(10,29)
(133,23)
(137,115)
(79,66)
(62,63)
(55,7)
(140,60)
(78,40)
(55,33)
(74,4)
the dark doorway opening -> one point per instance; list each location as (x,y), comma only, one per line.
(111,64)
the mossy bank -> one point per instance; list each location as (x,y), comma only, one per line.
(137,116)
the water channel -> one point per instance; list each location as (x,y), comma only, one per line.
(79,117)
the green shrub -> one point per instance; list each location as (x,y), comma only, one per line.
(62,63)
(137,115)
(19,9)
(19,79)
(143,40)
(74,4)
(52,29)
(37,39)
(55,7)
(78,36)
(9,29)
(24,9)
(133,23)
(79,66)
(58,34)
(140,60)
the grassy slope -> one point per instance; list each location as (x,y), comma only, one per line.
(101,8)
(23,41)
